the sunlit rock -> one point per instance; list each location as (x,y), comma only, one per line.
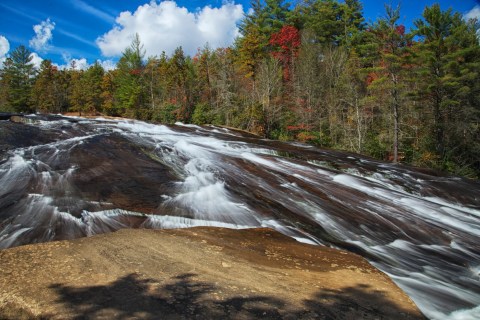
(196,273)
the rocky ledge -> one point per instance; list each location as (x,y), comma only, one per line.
(197,273)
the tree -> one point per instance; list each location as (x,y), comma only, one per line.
(93,78)
(268,93)
(274,16)
(251,50)
(18,74)
(448,69)
(129,82)
(353,23)
(286,44)
(463,140)
(78,91)
(47,95)
(323,17)
(332,22)
(265,19)
(357,109)
(152,81)
(308,87)
(6,83)
(227,86)
(393,43)
(178,84)
(109,104)
(204,64)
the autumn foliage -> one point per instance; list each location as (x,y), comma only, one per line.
(314,72)
(286,44)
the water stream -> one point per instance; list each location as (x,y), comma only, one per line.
(64,178)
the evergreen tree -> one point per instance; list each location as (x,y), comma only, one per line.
(46,95)
(129,82)
(92,79)
(333,22)
(448,69)
(353,23)
(78,92)
(323,17)
(19,75)
(274,16)
(392,42)
(266,19)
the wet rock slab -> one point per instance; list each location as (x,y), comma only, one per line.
(63,178)
(197,273)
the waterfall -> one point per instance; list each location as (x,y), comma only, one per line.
(66,178)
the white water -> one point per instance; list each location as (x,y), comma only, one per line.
(417,233)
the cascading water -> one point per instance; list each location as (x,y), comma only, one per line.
(64,178)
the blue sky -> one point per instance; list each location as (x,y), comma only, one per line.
(88,30)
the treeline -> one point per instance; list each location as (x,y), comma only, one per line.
(317,73)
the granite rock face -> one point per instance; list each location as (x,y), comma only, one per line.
(62,178)
(196,273)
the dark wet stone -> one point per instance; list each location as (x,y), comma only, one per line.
(65,178)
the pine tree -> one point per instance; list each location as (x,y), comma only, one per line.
(449,71)
(45,92)
(266,19)
(323,17)
(93,78)
(129,82)
(392,42)
(353,23)
(78,91)
(18,74)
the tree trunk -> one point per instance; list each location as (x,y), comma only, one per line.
(396,128)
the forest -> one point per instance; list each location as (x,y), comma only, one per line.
(315,72)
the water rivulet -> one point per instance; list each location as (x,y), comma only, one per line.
(64,178)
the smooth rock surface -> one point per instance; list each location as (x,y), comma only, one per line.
(63,178)
(196,273)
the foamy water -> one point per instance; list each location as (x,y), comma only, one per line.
(421,230)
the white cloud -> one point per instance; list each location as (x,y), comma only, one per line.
(107,64)
(76,64)
(473,14)
(43,35)
(4,48)
(36,60)
(82,63)
(79,64)
(165,26)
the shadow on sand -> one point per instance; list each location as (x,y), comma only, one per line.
(183,297)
